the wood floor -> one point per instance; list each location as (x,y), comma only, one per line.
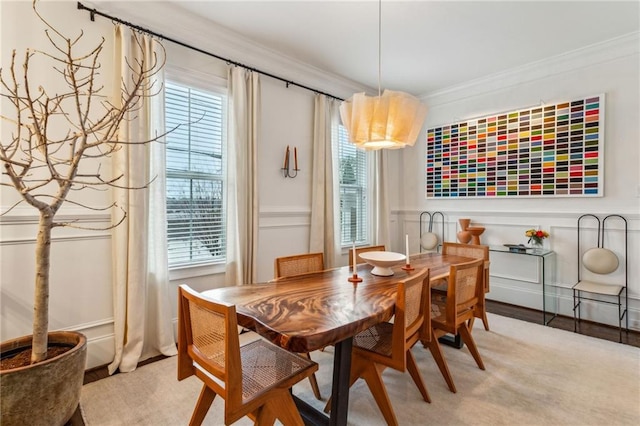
(101,372)
(588,328)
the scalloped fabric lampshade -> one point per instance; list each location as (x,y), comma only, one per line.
(392,120)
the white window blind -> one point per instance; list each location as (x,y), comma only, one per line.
(195,175)
(353,191)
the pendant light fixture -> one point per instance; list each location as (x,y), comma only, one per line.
(390,120)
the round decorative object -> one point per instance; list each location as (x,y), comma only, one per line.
(382,261)
(600,260)
(428,240)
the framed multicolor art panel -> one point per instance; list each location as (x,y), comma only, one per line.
(544,151)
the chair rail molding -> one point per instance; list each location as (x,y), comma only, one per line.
(285,217)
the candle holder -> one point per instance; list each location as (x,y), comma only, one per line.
(286,170)
(408,267)
(355,278)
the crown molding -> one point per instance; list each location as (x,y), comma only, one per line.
(605,51)
(172,21)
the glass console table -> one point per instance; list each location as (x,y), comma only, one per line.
(545,260)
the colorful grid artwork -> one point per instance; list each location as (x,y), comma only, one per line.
(545,151)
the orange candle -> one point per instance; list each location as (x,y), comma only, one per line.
(286,158)
(295,158)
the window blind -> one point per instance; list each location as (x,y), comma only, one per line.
(354,216)
(195,175)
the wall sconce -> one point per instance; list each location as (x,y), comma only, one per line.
(286,170)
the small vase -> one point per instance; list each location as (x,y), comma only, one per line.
(464,237)
(536,244)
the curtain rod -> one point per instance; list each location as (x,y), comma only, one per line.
(93,12)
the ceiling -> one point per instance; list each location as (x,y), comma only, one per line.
(426,46)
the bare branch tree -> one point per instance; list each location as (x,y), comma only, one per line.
(44,166)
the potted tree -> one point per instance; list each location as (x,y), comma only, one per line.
(44,159)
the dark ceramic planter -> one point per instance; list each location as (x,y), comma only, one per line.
(46,393)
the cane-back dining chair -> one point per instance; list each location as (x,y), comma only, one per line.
(296,265)
(362,250)
(451,313)
(389,344)
(477,252)
(254,380)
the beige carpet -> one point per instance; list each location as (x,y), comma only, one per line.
(535,376)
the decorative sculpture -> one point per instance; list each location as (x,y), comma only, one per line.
(464,236)
(469,233)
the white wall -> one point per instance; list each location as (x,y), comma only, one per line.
(611,68)
(81,274)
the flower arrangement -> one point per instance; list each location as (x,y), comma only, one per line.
(536,236)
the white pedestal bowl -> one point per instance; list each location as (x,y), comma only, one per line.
(382,261)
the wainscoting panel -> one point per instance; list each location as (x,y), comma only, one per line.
(80,278)
(283,232)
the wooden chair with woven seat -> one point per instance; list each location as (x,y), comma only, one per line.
(362,250)
(254,380)
(298,264)
(451,313)
(477,252)
(287,266)
(389,344)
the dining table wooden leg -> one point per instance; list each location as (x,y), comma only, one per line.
(340,386)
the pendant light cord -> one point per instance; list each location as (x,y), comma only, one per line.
(379,44)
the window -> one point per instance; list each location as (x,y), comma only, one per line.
(354,218)
(195,175)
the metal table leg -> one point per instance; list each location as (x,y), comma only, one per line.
(340,386)
(339,390)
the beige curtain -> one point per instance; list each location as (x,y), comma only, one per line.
(380,203)
(242,181)
(324,236)
(142,315)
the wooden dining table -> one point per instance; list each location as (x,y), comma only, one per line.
(304,313)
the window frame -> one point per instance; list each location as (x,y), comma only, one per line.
(367,229)
(217,86)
